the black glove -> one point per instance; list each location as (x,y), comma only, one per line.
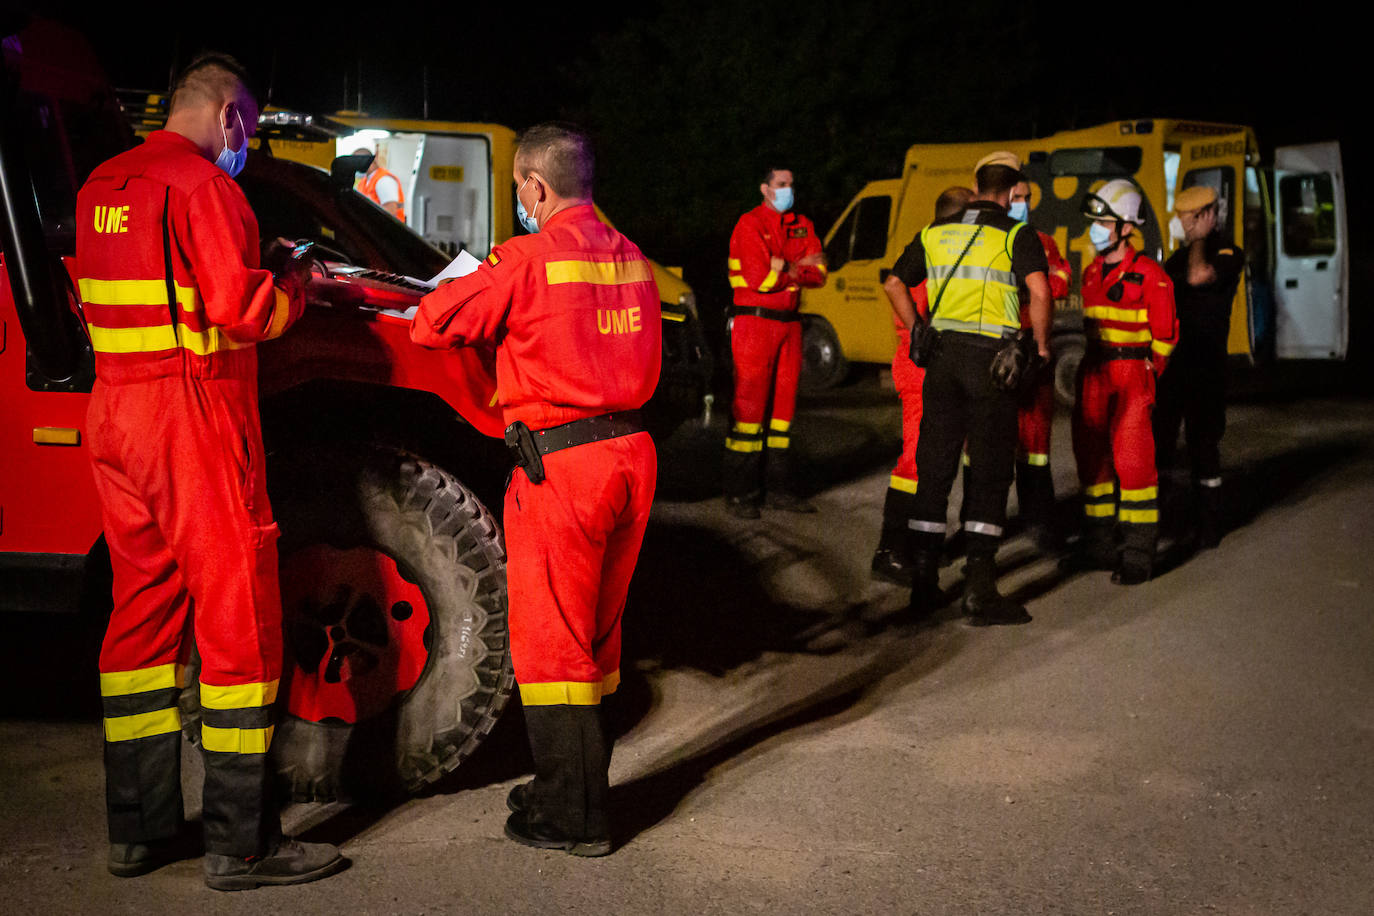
(1010,365)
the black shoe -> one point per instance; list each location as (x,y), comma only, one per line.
(546,836)
(129,860)
(787,502)
(1133,568)
(890,566)
(742,507)
(519,799)
(926,596)
(983,605)
(292,862)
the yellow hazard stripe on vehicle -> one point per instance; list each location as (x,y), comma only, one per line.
(1140,516)
(1099,489)
(1099,510)
(1109,313)
(142,725)
(601,273)
(744,445)
(1112,335)
(238,696)
(779,441)
(236,740)
(141,680)
(158,338)
(569,693)
(134,292)
(281,311)
(769,282)
(901,483)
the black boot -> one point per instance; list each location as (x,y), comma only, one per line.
(1097,547)
(926,597)
(1133,567)
(1035,495)
(892,559)
(1207,499)
(983,604)
(565,805)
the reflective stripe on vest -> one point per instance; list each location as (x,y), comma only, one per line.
(979,295)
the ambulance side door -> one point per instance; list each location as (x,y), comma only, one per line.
(852,299)
(1311,257)
(453,193)
(1218,162)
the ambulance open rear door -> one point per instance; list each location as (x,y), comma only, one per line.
(1312,253)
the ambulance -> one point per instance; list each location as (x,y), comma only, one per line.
(1290,217)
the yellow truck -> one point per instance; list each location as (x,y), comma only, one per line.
(1290,217)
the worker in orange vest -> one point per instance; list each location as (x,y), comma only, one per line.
(382,187)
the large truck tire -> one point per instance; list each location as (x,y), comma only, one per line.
(1066,363)
(394,604)
(823,362)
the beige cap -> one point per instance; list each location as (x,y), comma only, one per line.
(1001,157)
(1195,198)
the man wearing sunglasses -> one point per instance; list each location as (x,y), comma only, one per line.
(1131,327)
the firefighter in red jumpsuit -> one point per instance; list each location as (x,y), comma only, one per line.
(174,302)
(774,252)
(1131,328)
(1035,414)
(573,312)
(892,559)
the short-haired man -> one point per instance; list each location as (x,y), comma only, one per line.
(573,312)
(892,559)
(174,301)
(974,263)
(1205,271)
(774,252)
(381,186)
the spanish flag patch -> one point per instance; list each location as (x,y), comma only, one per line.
(493,259)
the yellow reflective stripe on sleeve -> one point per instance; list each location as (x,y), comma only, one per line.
(1112,335)
(1140,516)
(142,725)
(1099,511)
(1099,489)
(1162,348)
(901,483)
(601,273)
(156,339)
(281,311)
(1037,460)
(748,429)
(779,442)
(769,282)
(738,282)
(779,426)
(562,693)
(236,740)
(133,292)
(1140,495)
(734,264)
(141,680)
(1108,313)
(744,445)
(238,696)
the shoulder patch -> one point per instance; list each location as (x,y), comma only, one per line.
(493,259)
(797,232)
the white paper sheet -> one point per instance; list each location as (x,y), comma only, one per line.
(460,266)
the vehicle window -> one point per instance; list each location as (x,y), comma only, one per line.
(1109,161)
(837,252)
(863,234)
(1308,205)
(1221,179)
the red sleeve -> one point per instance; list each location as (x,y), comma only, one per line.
(812,276)
(469,310)
(221,243)
(1060,273)
(921,297)
(750,259)
(1159,299)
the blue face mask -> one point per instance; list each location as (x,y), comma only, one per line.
(529,222)
(1019,211)
(782,199)
(232,161)
(1100,236)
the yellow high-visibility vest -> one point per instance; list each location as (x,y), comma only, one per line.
(979,295)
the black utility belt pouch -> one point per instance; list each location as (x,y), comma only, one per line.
(758,311)
(925,343)
(528,447)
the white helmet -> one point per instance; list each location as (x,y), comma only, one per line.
(1118,199)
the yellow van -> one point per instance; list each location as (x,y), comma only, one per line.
(1290,218)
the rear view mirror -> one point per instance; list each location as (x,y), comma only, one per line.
(343,171)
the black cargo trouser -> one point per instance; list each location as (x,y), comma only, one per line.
(1192,393)
(961,406)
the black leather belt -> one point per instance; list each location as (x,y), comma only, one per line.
(529,446)
(1110,353)
(758,311)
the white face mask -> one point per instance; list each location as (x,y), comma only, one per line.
(232,161)
(1100,236)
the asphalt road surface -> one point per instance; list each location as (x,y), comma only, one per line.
(1203,743)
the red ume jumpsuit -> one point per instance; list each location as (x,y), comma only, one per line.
(901,487)
(1131,330)
(174,301)
(574,313)
(1035,417)
(765,341)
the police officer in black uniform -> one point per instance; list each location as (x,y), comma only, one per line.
(1192,391)
(974,262)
